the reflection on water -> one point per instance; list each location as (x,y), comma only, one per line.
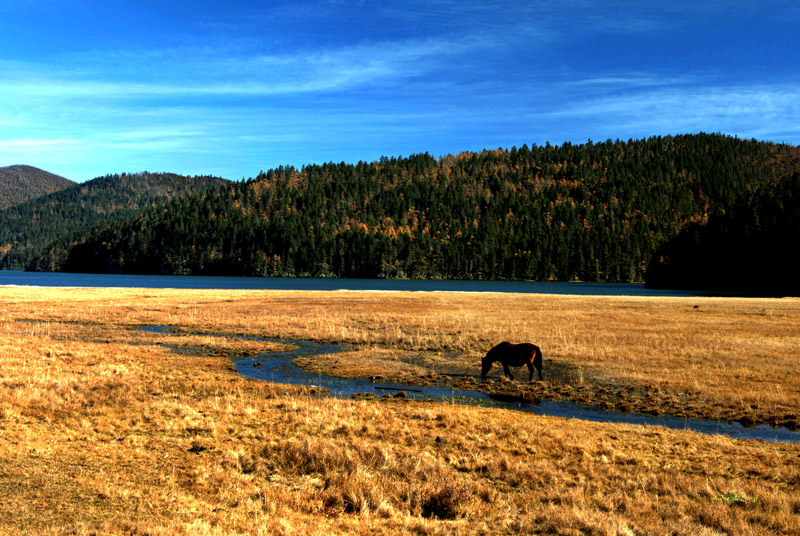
(278,367)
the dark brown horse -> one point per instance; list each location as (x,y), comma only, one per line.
(513,355)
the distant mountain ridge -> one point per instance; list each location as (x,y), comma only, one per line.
(22,183)
(590,212)
(29,228)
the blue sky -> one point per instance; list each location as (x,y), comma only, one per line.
(231,88)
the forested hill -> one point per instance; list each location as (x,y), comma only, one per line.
(22,183)
(594,212)
(750,249)
(29,229)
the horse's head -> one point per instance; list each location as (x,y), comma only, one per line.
(491,356)
(486,363)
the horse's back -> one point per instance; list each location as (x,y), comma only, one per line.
(515,354)
(524,348)
(509,352)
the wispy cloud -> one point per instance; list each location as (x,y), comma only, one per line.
(52,154)
(764,111)
(698,102)
(633,80)
(13,145)
(254,75)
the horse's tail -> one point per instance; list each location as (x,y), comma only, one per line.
(537,361)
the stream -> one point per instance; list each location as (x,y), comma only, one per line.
(278,367)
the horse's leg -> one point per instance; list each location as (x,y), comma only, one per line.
(507,371)
(530,369)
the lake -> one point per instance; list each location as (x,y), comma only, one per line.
(61,279)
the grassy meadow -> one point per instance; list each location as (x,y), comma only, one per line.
(108,429)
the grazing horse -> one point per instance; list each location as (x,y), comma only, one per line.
(513,355)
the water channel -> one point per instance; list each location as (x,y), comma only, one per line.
(278,367)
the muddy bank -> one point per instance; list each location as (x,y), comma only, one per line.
(563,383)
(572,398)
(641,399)
(503,393)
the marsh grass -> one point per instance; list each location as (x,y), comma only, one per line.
(107,429)
(726,359)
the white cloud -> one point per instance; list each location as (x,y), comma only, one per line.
(52,154)
(10,122)
(16,145)
(697,102)
(632,80)
(184,73)
(766,112)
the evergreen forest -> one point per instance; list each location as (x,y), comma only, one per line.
(28,229)
(22,183)
(751,248)
(589,212)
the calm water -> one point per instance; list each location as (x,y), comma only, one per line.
(60,279)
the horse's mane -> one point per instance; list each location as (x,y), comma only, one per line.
(497,347)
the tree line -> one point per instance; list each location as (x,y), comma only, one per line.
(591,212)
(29,230)
(751,248)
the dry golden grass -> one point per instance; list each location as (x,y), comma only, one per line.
(105,429)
